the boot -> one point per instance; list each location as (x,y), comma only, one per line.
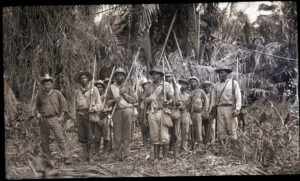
(97,149)
(85,152)
(156,152)
(165,150)
(105,146)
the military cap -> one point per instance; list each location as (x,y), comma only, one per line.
(157,69)
(193,77)
(226,69)
(120,70)
(183,81)
(80,73)
(45,78)
(100,82)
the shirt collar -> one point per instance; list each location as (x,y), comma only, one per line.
(48,93)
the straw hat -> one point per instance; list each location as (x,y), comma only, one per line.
(45,78)
(226,69)
(80,73)
(120,70)
(100,82)
(193,77)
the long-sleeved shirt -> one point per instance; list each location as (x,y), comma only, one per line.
(227,97)
(51,104)
(155,91)
(127,100)
(198,101)
(184,97)
(85,100)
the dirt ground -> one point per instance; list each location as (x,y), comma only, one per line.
(261,150)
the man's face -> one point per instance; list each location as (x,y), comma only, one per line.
(193,83)
(156,76)
(168,79)
(223,75)
(100,87)
(84,80)
(206,88)
(120,77)
(47,86)
(184,86)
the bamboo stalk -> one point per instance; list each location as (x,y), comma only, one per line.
(164,46)
(32,97)
(177,44)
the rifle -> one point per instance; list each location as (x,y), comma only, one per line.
(108,85)
(93,81)
(135,58)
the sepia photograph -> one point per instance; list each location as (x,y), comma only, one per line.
(150,90)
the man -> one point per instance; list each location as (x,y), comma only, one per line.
(123,97)
(185,115)
(87,103)
(51,107)
(142,110)
(227,98)
(160,95)
(102,129)
(175,131)
(210,123)
(197,103)
(109,102)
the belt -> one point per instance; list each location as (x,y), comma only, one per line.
(50,116)
(196,112)
(225,105)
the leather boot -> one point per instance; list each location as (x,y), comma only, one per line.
(85,152)
(105,146)
(165,150)
(97,148)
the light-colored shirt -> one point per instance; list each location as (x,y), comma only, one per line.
(227,97)
(129,98)
(86,98)
(158,95)
(199,100)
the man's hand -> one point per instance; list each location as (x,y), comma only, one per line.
(122,92)
(235,113)
(117,99)
(38,115)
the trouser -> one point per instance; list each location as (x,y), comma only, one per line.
(185,124)
(47,124)
(227,125)
(144,127)
(122,120)
(85,129)
(212,130)
(158,131)
(205,131)
(197,127)
(242,119)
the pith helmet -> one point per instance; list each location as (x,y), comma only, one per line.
(193,77)
(120,70)
(100,82)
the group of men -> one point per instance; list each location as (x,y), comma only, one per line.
(172,117)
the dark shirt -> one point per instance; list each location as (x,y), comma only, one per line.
(52,104)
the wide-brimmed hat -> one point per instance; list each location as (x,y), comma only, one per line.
(207,83)
(120,70)
(46,77)
(80,73)
(193,77)
(183,81)
(100,82)
(226,69)
(156,69)
(168,74)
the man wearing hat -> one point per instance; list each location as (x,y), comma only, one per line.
(209,123)
(109,102)
(51,107)
(175,130)
(159,114)
(142,110)
(102,128)
(124,98)
(87,103)
(185,115)
(197,103)
(227,98)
